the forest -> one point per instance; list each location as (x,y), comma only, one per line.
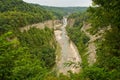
(31,55)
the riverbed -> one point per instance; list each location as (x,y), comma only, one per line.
(69,58)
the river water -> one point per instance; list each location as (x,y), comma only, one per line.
(69,58)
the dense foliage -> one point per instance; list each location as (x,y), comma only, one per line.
(16,62)
(30,56)
(41,44)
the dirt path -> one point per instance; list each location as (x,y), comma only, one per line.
(91,44)
(69,59)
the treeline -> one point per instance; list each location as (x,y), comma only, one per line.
(62,11)
(16,13)
(65,10)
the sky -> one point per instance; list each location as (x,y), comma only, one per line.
(62,3)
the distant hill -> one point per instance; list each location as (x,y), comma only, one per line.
(65,10)
(19,5)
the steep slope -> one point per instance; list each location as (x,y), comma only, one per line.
(91,43)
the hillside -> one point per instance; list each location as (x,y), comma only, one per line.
(16,13)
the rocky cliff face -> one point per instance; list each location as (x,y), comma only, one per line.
(42,25)
(71,22)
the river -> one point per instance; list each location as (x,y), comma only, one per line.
(69,58)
